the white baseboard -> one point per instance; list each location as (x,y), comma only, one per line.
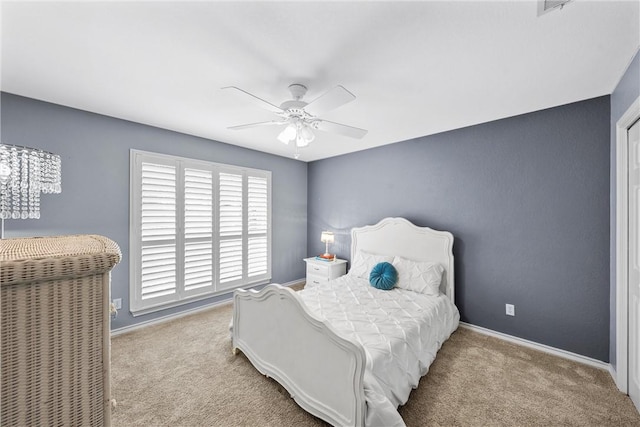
(542,347)
(229,300)
(614,375)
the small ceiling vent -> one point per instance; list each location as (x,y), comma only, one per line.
(545,6)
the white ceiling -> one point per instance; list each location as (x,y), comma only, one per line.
(417,68)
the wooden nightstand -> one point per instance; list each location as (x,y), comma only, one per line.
(322,271)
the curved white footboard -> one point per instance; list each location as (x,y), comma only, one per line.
(322,371)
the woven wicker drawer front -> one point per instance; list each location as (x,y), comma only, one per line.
(52,353)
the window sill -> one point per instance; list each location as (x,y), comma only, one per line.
(172,304)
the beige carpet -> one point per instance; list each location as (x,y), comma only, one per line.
(182,373)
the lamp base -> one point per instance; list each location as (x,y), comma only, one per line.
(327,256)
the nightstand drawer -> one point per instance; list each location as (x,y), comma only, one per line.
(319,271)
(316,269)
(315,280)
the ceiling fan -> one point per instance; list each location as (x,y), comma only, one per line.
(302,118)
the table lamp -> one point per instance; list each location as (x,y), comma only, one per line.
(327,237)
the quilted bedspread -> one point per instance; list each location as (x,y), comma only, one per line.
(400,331)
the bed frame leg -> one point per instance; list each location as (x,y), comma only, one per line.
(234,351)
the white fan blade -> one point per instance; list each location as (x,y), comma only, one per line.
(251,125)
(334,98)
(340,129)
(258,101)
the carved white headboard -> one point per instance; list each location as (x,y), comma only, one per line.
(398,236)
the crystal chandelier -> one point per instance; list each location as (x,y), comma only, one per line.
(24,174)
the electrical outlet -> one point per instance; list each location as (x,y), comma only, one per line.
(511,309)
(117,303)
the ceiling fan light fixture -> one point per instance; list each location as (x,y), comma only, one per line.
(288,134)
(301,142)
(307,134)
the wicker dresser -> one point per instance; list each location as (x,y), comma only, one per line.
(55,330)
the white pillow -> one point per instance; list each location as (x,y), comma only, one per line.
(365,261)
(418,276)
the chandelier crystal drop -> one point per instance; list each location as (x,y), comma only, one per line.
(24,174)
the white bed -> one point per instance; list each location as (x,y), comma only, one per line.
(347,352)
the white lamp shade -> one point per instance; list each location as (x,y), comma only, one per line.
(307,134)
(298,132)
(327,237)
(300,141)
(288,134)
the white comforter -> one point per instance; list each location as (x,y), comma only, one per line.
(400,331)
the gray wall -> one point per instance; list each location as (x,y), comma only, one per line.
(625,93)
(527,200)
(95,183)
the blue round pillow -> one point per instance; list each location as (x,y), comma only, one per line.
(383,276)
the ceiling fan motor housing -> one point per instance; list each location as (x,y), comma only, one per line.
(295,107)
(297,91)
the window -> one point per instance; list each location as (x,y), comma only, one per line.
(197,229)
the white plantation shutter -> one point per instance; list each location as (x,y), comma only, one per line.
(231,220)
(197,229)
(258,217)
(158,230)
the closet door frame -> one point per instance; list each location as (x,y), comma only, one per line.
(622,244)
